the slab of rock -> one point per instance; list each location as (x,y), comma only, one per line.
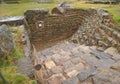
(49,64)
(111,51)
(116,66)
(73,80)
(116,57)
(56,79)
(100,55)
(25,66)
(6,41)
(57,69)
(107,76)
(87,73)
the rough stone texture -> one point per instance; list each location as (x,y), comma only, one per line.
(25,66)
(6,41)
(111,51)
(90,27)
(12,21)
(116,66)
(56,79)
(74,23)
(71,60)
(49,64)
(107,77)
(73,80)
(87,73)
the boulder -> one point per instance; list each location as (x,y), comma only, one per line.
(6,41)
(25,67)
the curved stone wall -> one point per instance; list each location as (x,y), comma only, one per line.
(90,27)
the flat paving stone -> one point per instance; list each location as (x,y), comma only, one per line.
(116,57)
(86,74)
(111,51)
(73,80)
(56,79)
(100,55)
(68,64)
(57,69)
(49,64)
(76,60)
(116,66)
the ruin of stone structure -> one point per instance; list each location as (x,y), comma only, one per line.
(74,46)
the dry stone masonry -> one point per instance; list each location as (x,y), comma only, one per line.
(89,53)
(90,27)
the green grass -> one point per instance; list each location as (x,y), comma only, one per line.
(7,66)
(18,9)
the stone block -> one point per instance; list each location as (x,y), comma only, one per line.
(68,64)
(57,69)
(72,73)
(111,51)
(86,74)
(49,64)
(73,80)
(116,66)
(56,79)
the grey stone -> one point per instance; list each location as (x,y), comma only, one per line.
(105,63)
(73,80)
(68,64)
(57,69)
(25,66)
(111,51)
(6,41)
(116,66)
(100,55)
(107,77)
(87,73)
(116,57)
(56,79)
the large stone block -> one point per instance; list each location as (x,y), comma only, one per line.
(6,41)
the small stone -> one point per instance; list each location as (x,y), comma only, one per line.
(116,57)
(86,74)
(73,80)
(80,67)
(111,51)
(49,64)
(100,55)
(72,73)
(57,69)
(68,64)
(85,49)
(101,49)
(56,79)
(116,66)
(76,60)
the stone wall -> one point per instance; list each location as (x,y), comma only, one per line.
(90,27)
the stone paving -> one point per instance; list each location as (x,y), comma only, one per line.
(69,63)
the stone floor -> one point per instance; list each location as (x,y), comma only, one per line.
(69,63)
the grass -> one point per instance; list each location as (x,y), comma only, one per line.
(7,66)
(18,9)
